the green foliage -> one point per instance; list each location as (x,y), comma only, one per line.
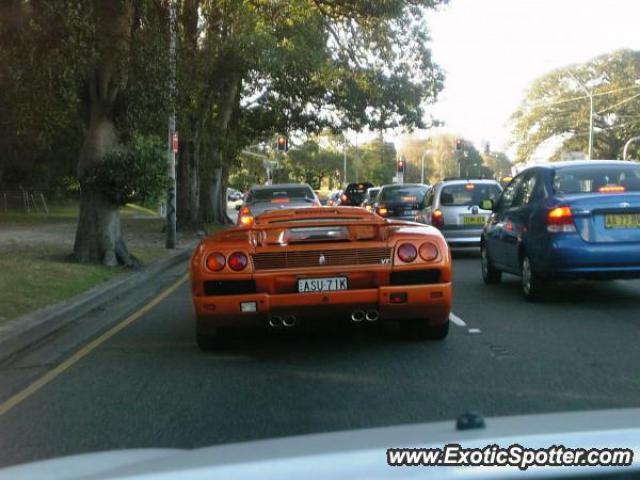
(499,163)
(137,174)
(556,108)
(376,162)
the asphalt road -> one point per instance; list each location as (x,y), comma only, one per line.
(150,386)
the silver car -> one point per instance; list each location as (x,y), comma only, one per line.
(453,207)
(263,198)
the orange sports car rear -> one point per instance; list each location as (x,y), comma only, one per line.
(318,265)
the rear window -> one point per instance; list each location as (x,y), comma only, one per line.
(403,194)
(358,187)
(597,178)
(280,194)
(465,194)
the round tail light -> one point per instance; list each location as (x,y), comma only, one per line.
(407,252)
(237,261)
(215,262)
(428,251)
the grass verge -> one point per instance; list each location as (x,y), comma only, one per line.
(38,273)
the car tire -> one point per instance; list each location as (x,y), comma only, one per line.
(532,284)
(419,330)
(490,275)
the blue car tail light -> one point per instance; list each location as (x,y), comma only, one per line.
(560,220)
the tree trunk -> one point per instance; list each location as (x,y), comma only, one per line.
(188,184)
(213,205)
(214,175)
(99,235)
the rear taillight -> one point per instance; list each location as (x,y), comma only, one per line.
(407,252)
(237,261)
(437,218)
(215,262)
(428,251)
(560,220)
(245,217)
(382,211)
(246,220)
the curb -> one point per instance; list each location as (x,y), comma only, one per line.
(21,332)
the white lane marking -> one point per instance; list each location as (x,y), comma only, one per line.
(457,320)
(474,330)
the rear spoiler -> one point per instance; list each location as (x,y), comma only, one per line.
(316,217)
(274,228)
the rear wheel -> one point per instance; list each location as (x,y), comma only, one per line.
(532,283)
(419,329)
(490,274)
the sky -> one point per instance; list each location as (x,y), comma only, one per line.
(491,50)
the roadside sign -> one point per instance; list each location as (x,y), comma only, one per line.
(174,142)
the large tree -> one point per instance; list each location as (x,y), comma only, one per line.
(98,235)
(267,67)
(556,110)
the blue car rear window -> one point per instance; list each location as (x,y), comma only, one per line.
(596,178)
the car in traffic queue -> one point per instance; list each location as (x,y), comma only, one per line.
(354,194)
(334,198)
(453,206)
(293,266)
(400,201)
(565,220)
(370,198)
(263,198)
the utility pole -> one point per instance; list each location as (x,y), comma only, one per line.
(171,153)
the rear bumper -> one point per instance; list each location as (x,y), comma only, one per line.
(462,238)
(571,257)
(432,302)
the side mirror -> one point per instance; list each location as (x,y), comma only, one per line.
(238,207)
(487,205)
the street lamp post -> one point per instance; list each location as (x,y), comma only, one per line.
(344,162)
(589,94)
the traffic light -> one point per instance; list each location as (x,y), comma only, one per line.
(400,165)
(459,144)
(282,144)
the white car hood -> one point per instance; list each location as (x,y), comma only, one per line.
(355,454)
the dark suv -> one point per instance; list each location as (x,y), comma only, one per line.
(354,194)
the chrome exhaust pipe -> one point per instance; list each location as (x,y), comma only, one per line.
(357,316)
(372,316)
(275,321)
(289,321)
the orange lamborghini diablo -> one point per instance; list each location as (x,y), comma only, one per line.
(322,264)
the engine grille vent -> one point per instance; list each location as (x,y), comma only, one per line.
(321,258)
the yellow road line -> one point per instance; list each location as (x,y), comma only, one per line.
(86,350)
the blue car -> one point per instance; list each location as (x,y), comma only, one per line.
(565,220)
